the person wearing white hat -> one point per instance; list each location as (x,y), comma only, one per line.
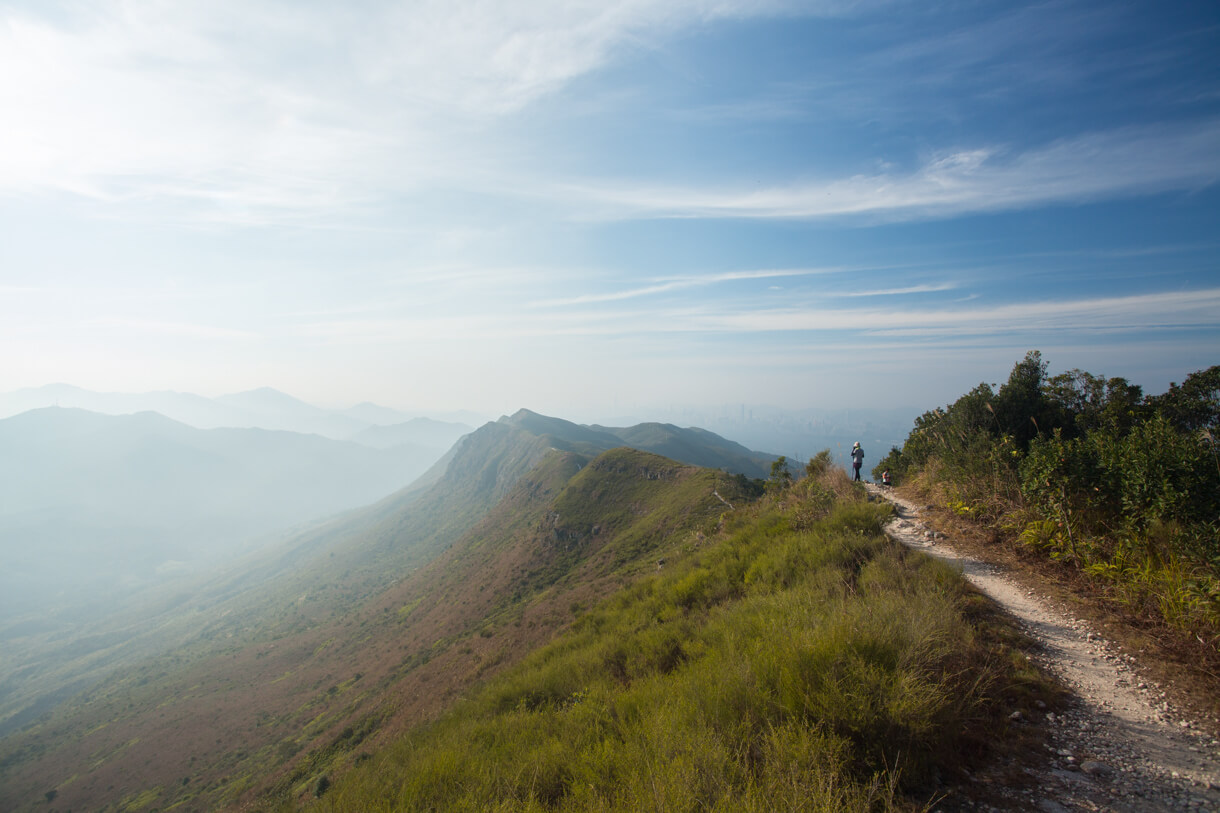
(857,460)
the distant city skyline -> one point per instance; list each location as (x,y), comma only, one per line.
(593,209)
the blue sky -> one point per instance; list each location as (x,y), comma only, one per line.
(588,208)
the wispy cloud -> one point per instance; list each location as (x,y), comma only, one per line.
(911,289)
(278,112)
(1176,311)
(680,283)
(1113,164)
(255,112)
(1179,309)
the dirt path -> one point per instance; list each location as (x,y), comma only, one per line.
(1120,746)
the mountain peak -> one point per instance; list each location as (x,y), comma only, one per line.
(263,394)
(520,415)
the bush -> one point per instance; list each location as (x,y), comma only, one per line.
(819,464)
(1086,470)
(894,463)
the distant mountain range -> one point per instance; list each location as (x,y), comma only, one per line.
(796,433)
(91,501)
(263,408)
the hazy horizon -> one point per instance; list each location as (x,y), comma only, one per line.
(796,433)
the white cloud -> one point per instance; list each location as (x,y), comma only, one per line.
(270,111)
(910,289)
(681,283)
(1178,309)
(261,110)
(1119,163)
(1175,310)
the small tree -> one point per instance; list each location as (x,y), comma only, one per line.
(819,463)
(1021,408)
(894,463)
(781,477)
(1195,404)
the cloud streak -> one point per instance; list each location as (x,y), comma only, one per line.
(1120,163)
(1185,310)
(911,289)
(1170,310)
(682,283)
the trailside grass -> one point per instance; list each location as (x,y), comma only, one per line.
(798,660)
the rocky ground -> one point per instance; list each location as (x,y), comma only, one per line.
(1120,745)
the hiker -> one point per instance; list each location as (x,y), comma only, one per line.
(857,458)
(885,478)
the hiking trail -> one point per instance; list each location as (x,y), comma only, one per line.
(1120,746)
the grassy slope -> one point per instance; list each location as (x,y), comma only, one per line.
(696,446)
(199,733)
(315,575)
(285,590)
(736,664)
(795,660)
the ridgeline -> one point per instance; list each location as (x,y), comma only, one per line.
(553,620)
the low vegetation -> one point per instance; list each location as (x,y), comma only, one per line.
(618,632)
(1122,487)
(309,678)
(793,658)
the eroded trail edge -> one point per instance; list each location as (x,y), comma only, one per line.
(1120,746)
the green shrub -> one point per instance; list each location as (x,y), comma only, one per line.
(1086,470)
(819,464)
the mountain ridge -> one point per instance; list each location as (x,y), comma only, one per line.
(348,558)
(263,407)
(506,559)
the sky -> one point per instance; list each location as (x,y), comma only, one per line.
(586,208)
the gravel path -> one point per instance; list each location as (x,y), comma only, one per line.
(1120,746)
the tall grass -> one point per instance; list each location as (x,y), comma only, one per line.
(819,668)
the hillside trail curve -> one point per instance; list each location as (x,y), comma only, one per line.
(1120,745)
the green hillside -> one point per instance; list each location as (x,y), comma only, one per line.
(694,445)
(671,629)
(269,686)
(308,578)
(786,656)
